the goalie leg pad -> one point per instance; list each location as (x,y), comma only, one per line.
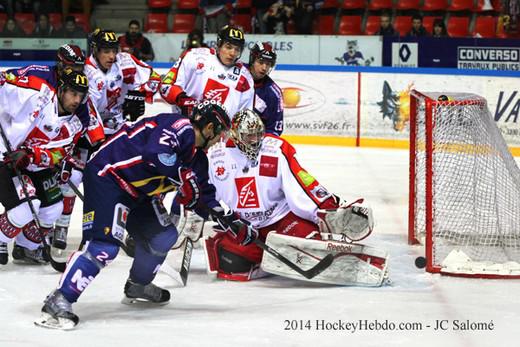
(230,261)
(354,264)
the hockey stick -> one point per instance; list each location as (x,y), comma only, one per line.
(46,248)
(322,265)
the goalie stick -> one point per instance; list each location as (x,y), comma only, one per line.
(321,266)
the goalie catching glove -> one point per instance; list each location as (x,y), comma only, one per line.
(354,221)
(241,230)
(133,106)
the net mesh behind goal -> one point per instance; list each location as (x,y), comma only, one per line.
(464,188)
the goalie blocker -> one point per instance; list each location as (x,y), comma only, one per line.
(354,264)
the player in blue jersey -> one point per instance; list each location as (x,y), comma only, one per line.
(143,159)
(268,96)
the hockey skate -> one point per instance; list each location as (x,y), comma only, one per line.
(22,255)
(57,313)
(59,237)
(135,292)
(4,255)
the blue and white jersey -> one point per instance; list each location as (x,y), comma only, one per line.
(269,105)
(148,153)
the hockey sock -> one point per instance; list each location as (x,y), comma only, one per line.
(84,266)
(8,230)
(150,254)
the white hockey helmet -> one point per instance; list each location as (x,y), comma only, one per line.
(247,131)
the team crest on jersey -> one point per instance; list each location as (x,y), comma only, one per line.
(201,67)
(268,166)
(247,193)
(215,91)
(167,159)
(221,173)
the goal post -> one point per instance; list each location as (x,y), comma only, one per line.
(464,190)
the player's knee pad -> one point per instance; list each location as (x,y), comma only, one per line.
(100,252)
(22,214)
(230,262)
(49,214)
(84,266)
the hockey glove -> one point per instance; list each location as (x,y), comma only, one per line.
(241,230)
(133,106)
(189,190)
(18,159)
(186,104)
(354,221)
(68,163)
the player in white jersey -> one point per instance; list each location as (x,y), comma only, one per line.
(40,126)
(211,74)
(119,82)
(259,178)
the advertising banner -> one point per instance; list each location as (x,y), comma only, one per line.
(291,49)
(462,53)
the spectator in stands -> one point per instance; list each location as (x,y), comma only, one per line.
(386,28)
(195,39)
(135,43)
(439,29)
(418,30)
(304,17)
(215,14)
(85,7)
(70,29)
(261,6)
(276,18)
(11,29)
(43,27)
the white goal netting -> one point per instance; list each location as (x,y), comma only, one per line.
(466,188)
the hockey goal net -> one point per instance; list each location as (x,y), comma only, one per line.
(464,202)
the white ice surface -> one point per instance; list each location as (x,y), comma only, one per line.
(217,313)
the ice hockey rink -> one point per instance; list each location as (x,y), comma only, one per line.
(281,312)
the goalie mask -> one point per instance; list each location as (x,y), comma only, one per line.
(247,131)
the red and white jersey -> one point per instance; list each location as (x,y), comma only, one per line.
(200,74)
(29,117)
(108,89)
(266,192)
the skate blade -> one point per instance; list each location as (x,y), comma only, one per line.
(49,322)
(142,302)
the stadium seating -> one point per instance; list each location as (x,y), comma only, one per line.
(380,4)
(82,21)
(183,23)
(243,4)
(428,23)
(353,4)
(485,26)
(188,5)
(407,5)
(350,25)
(25,21)
(56,20)
(434,5)
(159,4)
(372,25)
(403,24)
(156,23)
(242,20)
(326,24)
(461,5)
(3,19)
(458,26)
